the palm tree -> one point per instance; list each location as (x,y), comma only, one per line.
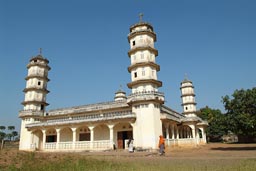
(2,136)
(10,135)
(14,134)
(11,128)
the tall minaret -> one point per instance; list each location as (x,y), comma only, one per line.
(145,98)
(35,96)
(188,98)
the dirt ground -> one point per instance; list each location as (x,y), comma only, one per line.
(209,152)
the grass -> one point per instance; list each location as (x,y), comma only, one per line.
(212,160)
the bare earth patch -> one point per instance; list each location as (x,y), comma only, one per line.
(213,156)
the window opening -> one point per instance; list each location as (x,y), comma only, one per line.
(133,43)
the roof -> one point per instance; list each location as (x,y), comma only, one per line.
(88,108)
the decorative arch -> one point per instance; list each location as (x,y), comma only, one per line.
(66,134)
(37,139)
(122,132)
(51,135)
(83,133)
(101,132)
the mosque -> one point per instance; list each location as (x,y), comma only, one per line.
(141,115)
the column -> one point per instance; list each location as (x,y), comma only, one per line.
(172,130)
(44,138)
(193,133)
(74,138)
(166,125)
(91,136)
(58,138)
(134,134)
(204,135)
(177,132)
(111,135)
(32,144)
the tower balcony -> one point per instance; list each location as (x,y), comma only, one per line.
(36,88)
(37,76)
(146,96)
(148,32)
(141,48)
(34,101)
(189,94)
(43,65)
(143,64)
(145,81)
(24,113)
(189,103)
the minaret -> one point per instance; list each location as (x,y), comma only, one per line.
(188,98)
(36,86)
(35,96)
(145,98)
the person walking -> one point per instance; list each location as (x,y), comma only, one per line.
(161,145)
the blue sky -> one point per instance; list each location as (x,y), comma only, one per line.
(214,42)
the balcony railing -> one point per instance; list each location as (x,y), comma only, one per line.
(85,118)
(87,108)
(30,112)
(146,95)
(78,145)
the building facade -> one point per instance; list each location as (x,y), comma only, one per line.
(141,115)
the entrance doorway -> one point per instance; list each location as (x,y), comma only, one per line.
(121,137)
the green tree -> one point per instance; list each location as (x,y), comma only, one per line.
(217,123)
(14,134)
(2,133)
(11,128)
(241,113)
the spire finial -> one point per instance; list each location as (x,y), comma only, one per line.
(186,76)
(141,15)
(40,51)
(121,87)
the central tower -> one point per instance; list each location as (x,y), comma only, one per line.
(145,98)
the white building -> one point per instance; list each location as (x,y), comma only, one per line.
(141,115)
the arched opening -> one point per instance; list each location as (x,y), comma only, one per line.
(37,140)
(51,135)
(200,134)
(122,133)
(83,134)
(66,135)
(101,132)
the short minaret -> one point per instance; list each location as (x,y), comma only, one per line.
(120,95)
(145,98)
(188,98)
(35,96)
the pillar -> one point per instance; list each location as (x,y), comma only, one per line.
(44,138)
(91,136)
(74,137)
(177,133)
(166,125)
(111,135)
(172,130)
(58,138)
